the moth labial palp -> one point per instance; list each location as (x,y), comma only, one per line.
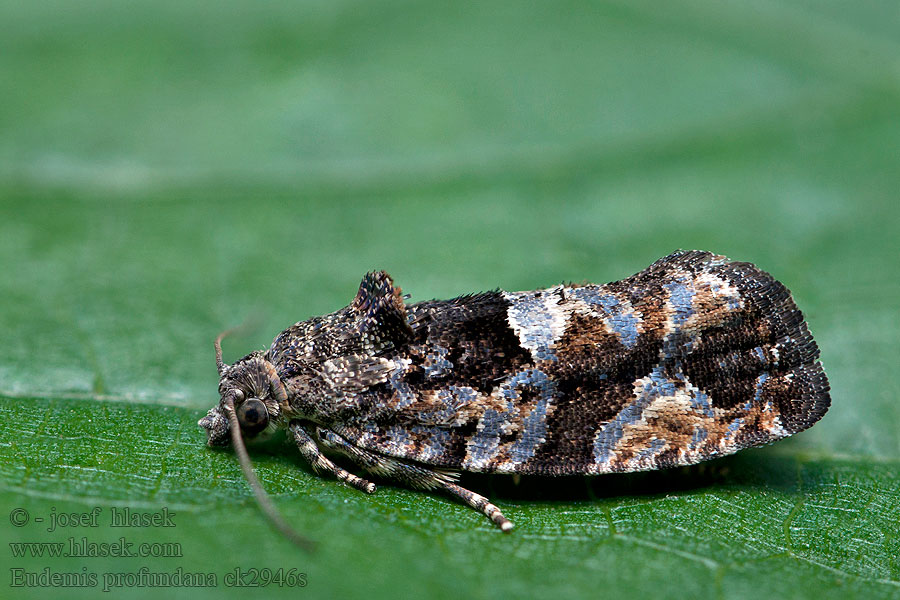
(693,358)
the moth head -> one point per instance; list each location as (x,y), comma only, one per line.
(252,396)
(251,390)
(253,418)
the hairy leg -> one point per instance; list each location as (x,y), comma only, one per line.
(320,462)
(413,475)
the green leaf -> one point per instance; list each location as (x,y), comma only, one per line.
(171,169)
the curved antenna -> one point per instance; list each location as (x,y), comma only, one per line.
(248,324)
(219,364)
(265,503)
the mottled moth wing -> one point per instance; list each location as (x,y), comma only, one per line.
(694,357)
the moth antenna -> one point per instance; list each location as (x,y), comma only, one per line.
(265,503)
(220,364)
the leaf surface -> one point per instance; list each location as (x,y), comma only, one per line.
(169,169)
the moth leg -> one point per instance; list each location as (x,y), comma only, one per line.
(481,504)
(320,462)
(414,475)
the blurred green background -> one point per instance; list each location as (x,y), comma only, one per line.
(170,169)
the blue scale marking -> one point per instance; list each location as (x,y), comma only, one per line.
(435,443)
(760,354)
(608,437)
(485,443)
(734,426)
(760,382)
(454,398)
(398,440)
(535,324)
(663,384)
(681,296)
(734,302)
(620,317)
(535,424)
(439,365)
(655,446)
(402,390)
(700,403)
(451,400)
(700,435)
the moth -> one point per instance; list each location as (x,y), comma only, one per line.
(694,357)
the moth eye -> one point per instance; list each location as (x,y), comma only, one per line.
(253,416)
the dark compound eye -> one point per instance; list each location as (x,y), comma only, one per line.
(252,416)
